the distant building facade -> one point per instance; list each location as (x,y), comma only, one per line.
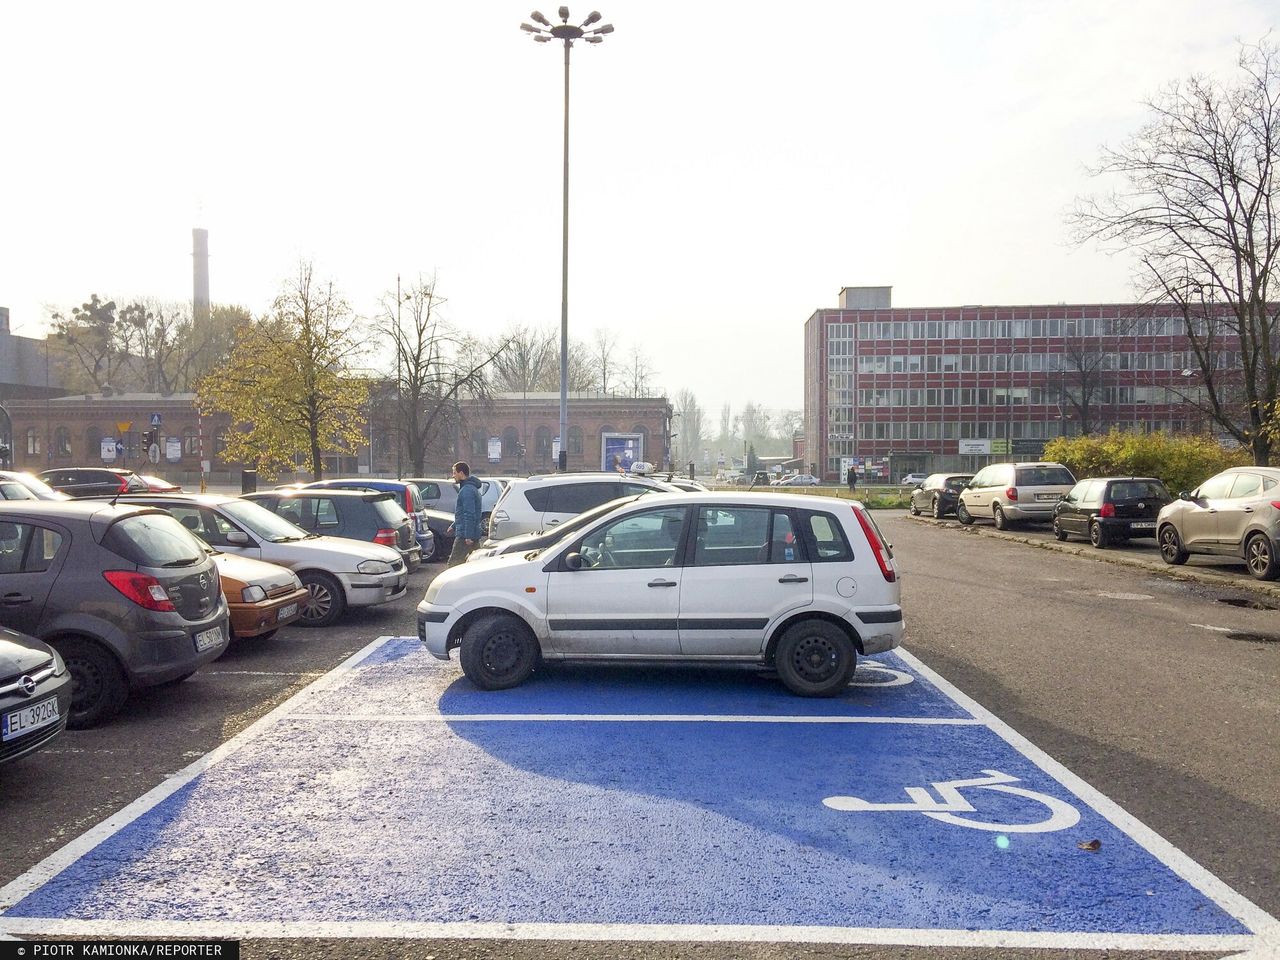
(895,390)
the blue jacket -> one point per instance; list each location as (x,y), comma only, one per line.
(466,512)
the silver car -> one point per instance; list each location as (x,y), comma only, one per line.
(1234,514)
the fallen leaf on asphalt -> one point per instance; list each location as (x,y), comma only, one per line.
(1091,845)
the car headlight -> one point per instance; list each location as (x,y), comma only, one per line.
(253,594)
(373,567)
(59,667)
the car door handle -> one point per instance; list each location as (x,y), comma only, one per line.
(663,583)
(792,578)
(13,599)
(552,523)
(1247,510)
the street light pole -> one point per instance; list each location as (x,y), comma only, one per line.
(545,33)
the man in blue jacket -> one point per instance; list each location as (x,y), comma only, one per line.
(466,514)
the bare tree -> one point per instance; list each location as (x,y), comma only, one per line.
(639,373)
(786,423)
(692,425)
(1082,380)
(529,358)
(755,423)
(1200,208)
(604,349)
(90,337)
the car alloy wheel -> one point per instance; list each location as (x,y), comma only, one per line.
(324,603)
(1261,558)
(1098,535)
(1171,549)
(997,514)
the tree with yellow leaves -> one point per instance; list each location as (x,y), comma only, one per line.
(288,384)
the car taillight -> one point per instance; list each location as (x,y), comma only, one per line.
(386,536)
(124,486)
(877,547)
(143,589)
(1108,510)
(408,502)
(1011,493)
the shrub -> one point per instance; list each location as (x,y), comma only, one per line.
(1182,461)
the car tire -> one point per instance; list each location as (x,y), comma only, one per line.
(1260,557)
(435,551)
(1098,535)
(1058,531)
(1172,551)
(498,652)
(915,511)
(963,514)
(99,687)
(936,509)
(997,514)
(326,602)
(815,659)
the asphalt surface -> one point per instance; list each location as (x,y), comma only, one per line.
(1146,687)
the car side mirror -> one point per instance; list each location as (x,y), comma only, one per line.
(238,538)
(1061,497)
(919,486)
(573,561)
(1183,495)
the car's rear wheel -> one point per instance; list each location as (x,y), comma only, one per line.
(1058,531)
(1171,549)
(1260,556)
(436,544)
(498,652)
(1098,535)
(997,514)
(963,514)
(935,508)
(326,601)
(99,687)
(815,659)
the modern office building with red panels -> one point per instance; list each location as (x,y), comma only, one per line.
(891,391)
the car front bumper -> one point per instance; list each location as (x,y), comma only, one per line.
(363,590)
(433,629)
(252,619)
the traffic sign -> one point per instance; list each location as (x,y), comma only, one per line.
(108,448)
(153,453)
(124,426)
(155,419)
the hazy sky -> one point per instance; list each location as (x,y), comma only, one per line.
(733,164)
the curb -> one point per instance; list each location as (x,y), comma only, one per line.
(1244,583)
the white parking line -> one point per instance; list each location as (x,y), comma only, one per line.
(632,718)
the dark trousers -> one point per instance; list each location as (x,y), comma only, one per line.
(460,552)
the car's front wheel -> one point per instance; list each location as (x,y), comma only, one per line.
(498,652)
(326,601)
(915,511)
(99,687)
(1058,531)
(815,659)
(963,514)
(1171,549)
(1261,558)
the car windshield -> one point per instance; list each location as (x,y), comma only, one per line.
(262,522)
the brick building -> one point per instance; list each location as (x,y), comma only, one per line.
(896,390)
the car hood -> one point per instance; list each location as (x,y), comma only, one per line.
(332,549)
(240,572)
(457,582)
(20,653)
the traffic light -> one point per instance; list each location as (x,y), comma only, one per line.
(148,438)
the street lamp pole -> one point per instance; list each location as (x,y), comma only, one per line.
(545,33)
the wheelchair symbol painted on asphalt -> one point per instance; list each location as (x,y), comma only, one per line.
(891,676)
(1062,815)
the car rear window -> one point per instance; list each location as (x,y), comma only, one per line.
(1044,477)
(153,540)
(389,512)
(1137,489)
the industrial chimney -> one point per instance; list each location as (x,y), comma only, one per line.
(200,274)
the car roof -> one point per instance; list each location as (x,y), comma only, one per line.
(204,499)
(81,509)
(335,493)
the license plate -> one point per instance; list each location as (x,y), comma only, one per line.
(18,723)
(1046,496)
(1142,525)
(208,638)
(287,611)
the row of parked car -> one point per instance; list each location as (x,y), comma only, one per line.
(111,581)
(1235,513)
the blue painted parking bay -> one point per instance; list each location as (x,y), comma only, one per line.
(391,798)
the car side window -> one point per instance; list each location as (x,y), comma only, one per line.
(1246,485)
(1216,488)
(326,513)
(784,545)
(539,498)
(10,490)
(827,538)
(429,491)
(631,490)
(581,497)
(1076,493)
(636,541)
(1096,490)
(290,509)
(979,479)
(26,548)
(1268,483)
(731,535)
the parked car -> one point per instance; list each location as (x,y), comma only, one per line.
(35,694)
(1011,492)
(337,573)
(798,480)
(124,593)
(37,487)
(524,542)
(1233,514)
(442,495)
(913,479)
(1106,510)
(757,579)
(261,597)
(440,524)
(368,515)
(13,490)
(537,503)
(158,484)
(93,481)
(407,497)
(938,494)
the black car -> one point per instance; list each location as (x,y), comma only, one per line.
(1110,509)
(35,694)
(126,596)
(93,481)
(938,494)
(368,515)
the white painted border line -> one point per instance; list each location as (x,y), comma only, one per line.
(631,718)
(1246,911)
(62,858)
(707,933)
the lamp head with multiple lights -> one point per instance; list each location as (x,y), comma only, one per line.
(545,31)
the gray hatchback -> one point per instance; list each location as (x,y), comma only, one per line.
(125,594)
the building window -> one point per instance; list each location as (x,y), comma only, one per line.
(220,443)
(62,442)
(479,444)
(510,442)
(575,440)
(190,443)
(33,441)
(92,444)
